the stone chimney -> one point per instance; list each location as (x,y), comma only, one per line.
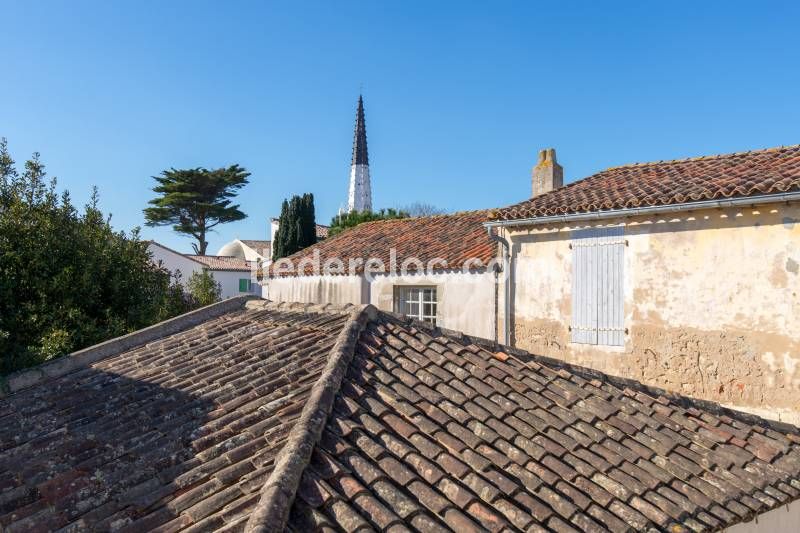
(547,174)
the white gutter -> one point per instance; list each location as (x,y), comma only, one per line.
(650,210)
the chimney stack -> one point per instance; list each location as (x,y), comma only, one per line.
(547,174)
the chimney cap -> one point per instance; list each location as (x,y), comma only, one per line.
(547,154)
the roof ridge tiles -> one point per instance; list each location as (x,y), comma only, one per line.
(271,513)
(658,183)
(705,157)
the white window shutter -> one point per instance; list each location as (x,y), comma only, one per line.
(597,282)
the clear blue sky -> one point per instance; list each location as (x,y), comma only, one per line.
(459,96)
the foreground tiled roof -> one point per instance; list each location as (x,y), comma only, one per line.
(179,432)
(774,170)
(222,262)
(455,238)
(279,418)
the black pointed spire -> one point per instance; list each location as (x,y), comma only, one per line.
(360,156)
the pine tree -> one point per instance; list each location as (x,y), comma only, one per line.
(196,200)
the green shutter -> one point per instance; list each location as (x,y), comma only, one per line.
(244,285)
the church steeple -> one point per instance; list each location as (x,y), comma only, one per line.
(360,156)
(360,193)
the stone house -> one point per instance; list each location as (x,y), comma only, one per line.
(438,269)
(260,417)
(680,274)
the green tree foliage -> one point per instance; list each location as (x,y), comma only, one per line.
(204,289)
(341,222)
(422,209)
(297,226)
(194,201)
(67,279)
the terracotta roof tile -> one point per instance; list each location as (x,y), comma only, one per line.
(774,170)
(195,432)
(146,438)
(454,238)
(222,262)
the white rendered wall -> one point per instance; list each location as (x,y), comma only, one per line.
(174,262)
(317,289)
(229,282)
(465,302)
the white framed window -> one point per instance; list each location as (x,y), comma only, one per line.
(416,302)
(597,286)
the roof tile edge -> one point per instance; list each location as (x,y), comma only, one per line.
(23,379)
(271,513)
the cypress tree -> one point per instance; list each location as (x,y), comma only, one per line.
(297,228)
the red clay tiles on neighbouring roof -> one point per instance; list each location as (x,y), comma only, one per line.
(774,170)
(222,262)
(310,418)
(454,238)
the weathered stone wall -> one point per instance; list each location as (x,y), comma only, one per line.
(711,304)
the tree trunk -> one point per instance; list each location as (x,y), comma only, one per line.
(203,244)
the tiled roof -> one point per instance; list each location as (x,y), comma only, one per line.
(774,170)
(262,248)
(282,417)
(180,432)
(455,238)
(222,262)
(322,231)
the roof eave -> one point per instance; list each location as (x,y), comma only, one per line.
(648,210)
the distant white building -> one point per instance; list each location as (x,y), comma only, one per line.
(175,262)
(234,274)
(249,250)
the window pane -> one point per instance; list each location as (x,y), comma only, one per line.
(416,302)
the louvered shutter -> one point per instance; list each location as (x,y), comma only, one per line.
(597,282)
